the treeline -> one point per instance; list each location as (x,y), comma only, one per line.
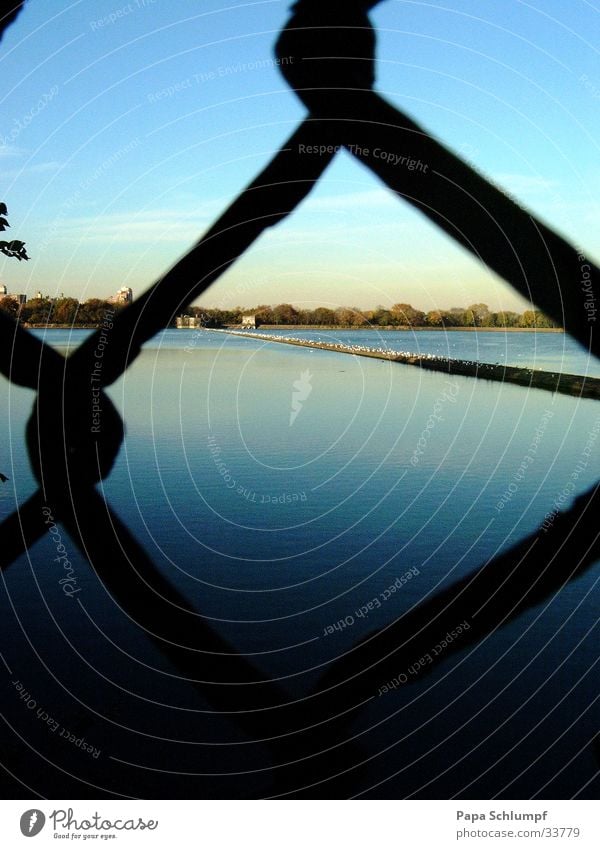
(400,315)
(68,311)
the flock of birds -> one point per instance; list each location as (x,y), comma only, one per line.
(333,346)
(421,359)
(388,353)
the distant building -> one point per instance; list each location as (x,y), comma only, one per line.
(249,321)
(20,298)
(123,296)
(183,322)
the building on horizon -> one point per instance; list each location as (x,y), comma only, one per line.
(20,297)
(183,322)
(123,296)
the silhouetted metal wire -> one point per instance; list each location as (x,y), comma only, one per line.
(69,460)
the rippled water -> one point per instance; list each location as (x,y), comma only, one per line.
(282,489)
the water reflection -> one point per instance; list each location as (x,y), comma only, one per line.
(384,490)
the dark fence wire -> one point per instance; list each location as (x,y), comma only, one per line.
(69,459)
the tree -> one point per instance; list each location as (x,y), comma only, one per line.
(481,313)
(322,315)
(406,314)
(543,320)
(383,318)
(93,311)
(359,319)
(343,316)
(14,249)
(264,314)
(505,319)
(65,310)
(349,317)
(285,314)
(450,318)
(527,319)
(457,316)
(37,311)
(304,317)
(10,306)
(535,318)
(434,318)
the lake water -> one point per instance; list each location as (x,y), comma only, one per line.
(549,351)
(281,489)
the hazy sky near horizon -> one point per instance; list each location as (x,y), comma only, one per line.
(128,126)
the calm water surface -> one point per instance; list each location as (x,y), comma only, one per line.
(548,351)
(283,488)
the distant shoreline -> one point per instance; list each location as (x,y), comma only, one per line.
(578,385)
(28,326)
(394,328)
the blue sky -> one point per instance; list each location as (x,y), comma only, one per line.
(128,126)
